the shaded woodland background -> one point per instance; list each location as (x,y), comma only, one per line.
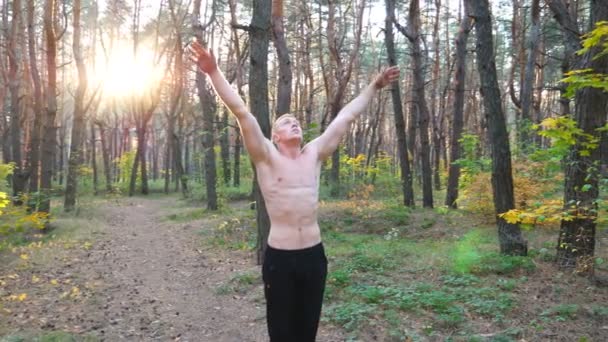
(100,98)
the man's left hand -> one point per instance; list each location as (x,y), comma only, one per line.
(386,77)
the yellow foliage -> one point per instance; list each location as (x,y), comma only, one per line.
(3,201)
(75,293)
(18,298)
(530,182)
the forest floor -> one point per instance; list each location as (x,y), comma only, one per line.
(162,269)
(126,273)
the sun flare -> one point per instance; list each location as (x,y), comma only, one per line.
(125,75)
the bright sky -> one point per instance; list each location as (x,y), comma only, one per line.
(125,76)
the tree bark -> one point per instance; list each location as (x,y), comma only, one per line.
(457,119)
(34,154)
(78,126)
(239,57)
(527,92)
(509,235)
(436,115)
(168,155)
(49,140)
(418,103)
(209,108)
(285,74)
(404,163)
(19,176)
(571,43)
(236,179)
(341,77)
(173,142)
(105,155)
(94,159)
(225,147)
(576,242)
(259,30)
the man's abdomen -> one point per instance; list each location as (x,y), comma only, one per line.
(293,217)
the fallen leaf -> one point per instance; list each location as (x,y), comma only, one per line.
(35,279)
(54,281)
(24,256)
(75,292)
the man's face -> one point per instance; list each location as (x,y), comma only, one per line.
(287,128)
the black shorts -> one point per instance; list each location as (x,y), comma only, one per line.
(294,282)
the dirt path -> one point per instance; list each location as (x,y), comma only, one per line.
(162,287)
(149,279)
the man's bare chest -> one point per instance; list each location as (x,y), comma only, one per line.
(287,173)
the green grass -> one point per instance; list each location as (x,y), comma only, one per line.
(239,283)
(363,283)
(562,312)
(189,215)
(236,233)
(448,303)
(416,264)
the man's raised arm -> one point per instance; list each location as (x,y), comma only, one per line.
(328,142)
(256,143)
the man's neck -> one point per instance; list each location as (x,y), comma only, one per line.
(290,150)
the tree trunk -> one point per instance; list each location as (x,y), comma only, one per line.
(179,167)
(239,57)
(571,43)
(209,107)
(418,102)
(19,176)
(517,53)
(225,147)
(78,125)
(436,115)
(34,154)
(156,145)
(310,80)
(527,92)
(94,159)
(457,120)
(576,242)
(259,30)
(285,74)
(173,141)
(49,140)
(142,142)
(341,75)
(509,235)
(106,158)
(168,156)
(404,163)
(236,179)
(135,166)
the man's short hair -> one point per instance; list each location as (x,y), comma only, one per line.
(286,115)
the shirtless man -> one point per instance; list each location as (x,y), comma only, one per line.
(295,265)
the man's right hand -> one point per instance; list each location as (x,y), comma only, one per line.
(202,57)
